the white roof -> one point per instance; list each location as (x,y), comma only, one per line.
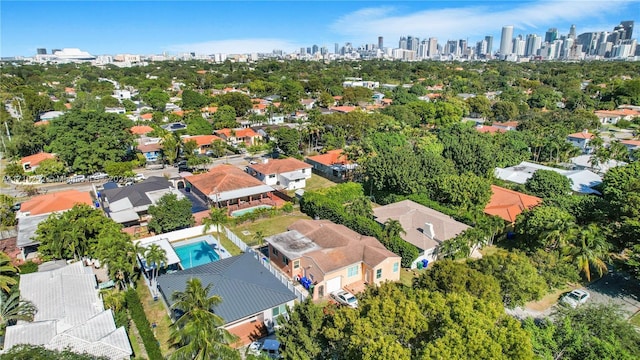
(124,216)
(172,256)
(584,161)
(235,194)
(295,175)
(27,227)
(582,180)
(70,315)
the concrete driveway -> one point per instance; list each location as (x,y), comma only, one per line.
(617,288)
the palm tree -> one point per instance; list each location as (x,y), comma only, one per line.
(557,233)
(198,332)
(156,257)
(13,309)
(258,237)
(588,249)
(217,217)
(393,228)
(360,206)
(7,273)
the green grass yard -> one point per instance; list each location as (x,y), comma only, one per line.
(268,226)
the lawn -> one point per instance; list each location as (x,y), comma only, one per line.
(407,276)
(317,182)
(268,226)
(635,319)
(156,313)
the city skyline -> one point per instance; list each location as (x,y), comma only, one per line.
(222,27)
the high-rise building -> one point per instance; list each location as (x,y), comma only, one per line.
(380,42)
(551,35)
(336,48)
(572,32)
(519,46)
(314,49)
(532,45)
(433,47)
(506,41)
(302,51)
(489,40)
(481,47)
(625,30)
(402,44)
(412,43)
(462,47)
(41,51)
(423,50)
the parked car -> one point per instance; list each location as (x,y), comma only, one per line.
(76,179)
(138,177)
(345,298)
(98,176)
(575,298)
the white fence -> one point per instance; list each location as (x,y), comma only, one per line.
(265,262)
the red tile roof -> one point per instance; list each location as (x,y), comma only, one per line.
(240,133)
(279,166)
(58,201)
(36,159)
(147,116)
(41,123)
(222,178)
(210,109)
(343,109)
(507,124)
(618,112)
(201,139)
(141,129)
(508,204)
(67,105)
(581,135)
(489,129)
(332,157)
(152,147)
(631,142)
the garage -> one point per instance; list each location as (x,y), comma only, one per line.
(334,284)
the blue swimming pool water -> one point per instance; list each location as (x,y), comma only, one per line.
(195,254)
(248,210)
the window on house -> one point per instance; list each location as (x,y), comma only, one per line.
(275,251)
(352,271)
(378,273)
(272,176)
(296,264)
(280,310)
(285,260)
(396,266)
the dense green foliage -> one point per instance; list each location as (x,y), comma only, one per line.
(138,316)
(548,183)
(86,140)
(170,214)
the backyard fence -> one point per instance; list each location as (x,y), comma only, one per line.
(265,262)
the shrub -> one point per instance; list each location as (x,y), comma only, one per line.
(142,323)
(28,267)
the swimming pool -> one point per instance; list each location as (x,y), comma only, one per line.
(196,252)
(248,210)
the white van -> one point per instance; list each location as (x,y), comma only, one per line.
(76,179)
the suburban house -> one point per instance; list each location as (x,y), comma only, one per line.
(227,186)
(508,204)
(585,162)
(613,116)
(424,227)
(140,130)
(509,125)
(151,148)
(332,257)
(307,104)
(146,117)
(491,129)
(203,141)
(632,145)
(234,136)
(582,181)
(37,209)
(128,205)
(70,315)
(31,162)
(50,115)
(343,109)
(581,140)
(334,164)
(252,297)
(290,173)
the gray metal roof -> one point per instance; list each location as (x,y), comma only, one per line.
(245,286)
(136,193)
(27,227)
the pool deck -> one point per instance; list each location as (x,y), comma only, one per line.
(209,239)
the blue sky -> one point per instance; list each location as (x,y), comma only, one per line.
(110,27)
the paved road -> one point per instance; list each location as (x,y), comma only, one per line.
(614,288)
(14,190)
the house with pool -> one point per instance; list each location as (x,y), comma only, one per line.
(252,297)
(289,173)
(328,257)
(226,186)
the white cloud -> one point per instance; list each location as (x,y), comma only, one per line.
(473,21)
(235,46)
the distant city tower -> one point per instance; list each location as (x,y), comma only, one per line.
(380,42)
(506,41)
(41,51)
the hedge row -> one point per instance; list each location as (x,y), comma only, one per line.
(142,323)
